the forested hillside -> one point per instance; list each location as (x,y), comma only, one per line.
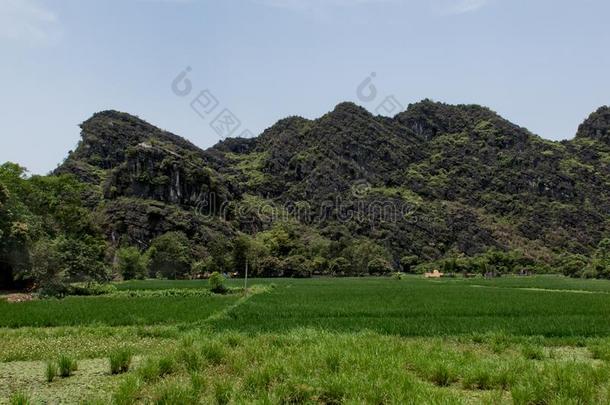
(349,193)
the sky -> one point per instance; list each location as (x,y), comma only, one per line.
(185,65)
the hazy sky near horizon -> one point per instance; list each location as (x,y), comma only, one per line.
(543,64)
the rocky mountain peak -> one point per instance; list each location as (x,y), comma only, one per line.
(596,126)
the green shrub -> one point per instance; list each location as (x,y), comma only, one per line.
(216,283)
(120,360)
(92,289)
(379,266)
(131,263)
(67,366)
(170,255)
(51,371)
(198,268)
(398,275)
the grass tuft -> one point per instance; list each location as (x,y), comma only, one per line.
(120,361)
(532,352)
(174,393)
(66,366)
(222,392)
(127,391)
(51,371)
(213,353)
(20,398)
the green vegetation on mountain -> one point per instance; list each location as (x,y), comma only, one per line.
(437,186)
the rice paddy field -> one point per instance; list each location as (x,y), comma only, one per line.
(530,340)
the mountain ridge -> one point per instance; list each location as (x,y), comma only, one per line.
(476,181)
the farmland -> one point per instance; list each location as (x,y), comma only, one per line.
(369,340)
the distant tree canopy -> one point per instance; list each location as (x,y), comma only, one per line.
(170,255)
(131,264)
(44,224)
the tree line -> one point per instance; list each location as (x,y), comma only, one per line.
(50,237)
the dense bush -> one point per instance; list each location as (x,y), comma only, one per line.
(379,266)
(170,255)
(340,266)
(48,237)
(131,264)
(216,283)
(408,263)
(297,266)
(597,266)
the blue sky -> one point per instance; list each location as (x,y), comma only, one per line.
(541,63)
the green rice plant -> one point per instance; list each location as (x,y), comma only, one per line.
(20,398)
(51,371)
(66,366)
(364,303)
(127,392)
(120,360)
(113,311)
